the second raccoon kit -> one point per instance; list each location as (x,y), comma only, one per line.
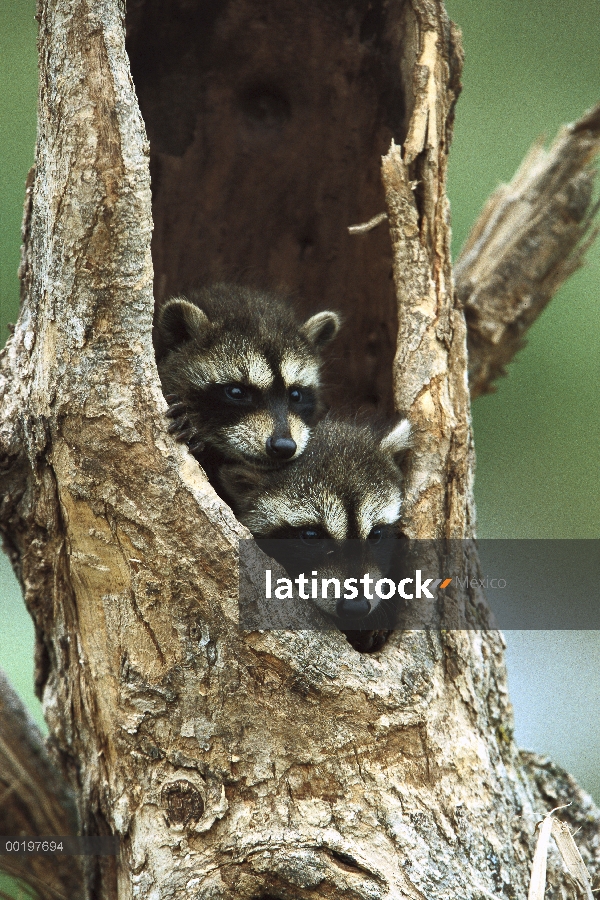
(242,374)
(347,486)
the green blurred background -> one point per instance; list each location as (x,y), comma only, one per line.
(530,66)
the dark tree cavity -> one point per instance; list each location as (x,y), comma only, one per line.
(267,123)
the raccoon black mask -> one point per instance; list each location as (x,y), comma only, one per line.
(346,486)
(241,373)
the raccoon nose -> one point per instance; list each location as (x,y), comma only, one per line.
(353,609)
(281,448)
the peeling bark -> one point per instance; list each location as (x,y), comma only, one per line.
(239,765)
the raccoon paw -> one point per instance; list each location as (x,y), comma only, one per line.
(178,412)
(180,427)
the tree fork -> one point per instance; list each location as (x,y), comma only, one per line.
(236,764)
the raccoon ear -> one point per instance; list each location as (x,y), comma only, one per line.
(241,484)
(181,321)
(321,328)
(397,441)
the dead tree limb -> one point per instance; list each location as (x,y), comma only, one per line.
(34,801)
(531,236)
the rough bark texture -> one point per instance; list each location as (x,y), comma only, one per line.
(532,234)
(240,765)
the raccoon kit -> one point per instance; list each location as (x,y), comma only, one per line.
(241,374)
(345,486)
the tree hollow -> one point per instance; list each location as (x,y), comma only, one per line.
(267,123)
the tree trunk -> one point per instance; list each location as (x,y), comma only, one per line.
(230,764)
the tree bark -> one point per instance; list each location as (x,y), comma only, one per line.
(230,764)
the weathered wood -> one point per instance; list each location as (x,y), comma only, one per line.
(531,236)
(237,765)
(34,801)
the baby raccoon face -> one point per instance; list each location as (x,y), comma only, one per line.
(250,384)
(345,488)
(257,404)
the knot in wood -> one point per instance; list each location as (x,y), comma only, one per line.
(183,803)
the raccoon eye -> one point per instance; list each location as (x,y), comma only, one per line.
(375,534)
(296,395)
(236,392)
(309,534)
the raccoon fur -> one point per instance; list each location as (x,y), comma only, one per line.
(241,374)
(347,486)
